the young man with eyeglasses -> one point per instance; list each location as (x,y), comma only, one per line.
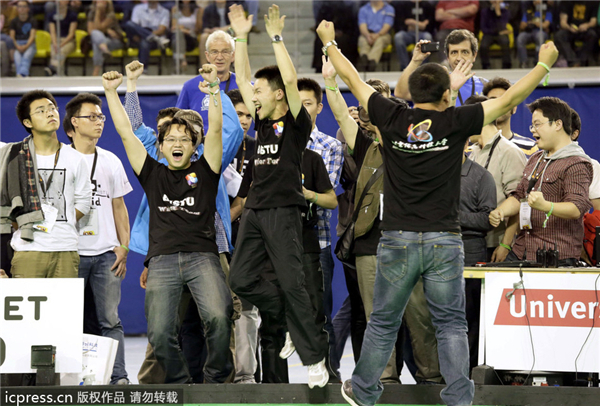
(58,186)
(553,194)
(183,248)
(104,232)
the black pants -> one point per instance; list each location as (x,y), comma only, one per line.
(484,50)
(358,319)
(276,234)
(565,43)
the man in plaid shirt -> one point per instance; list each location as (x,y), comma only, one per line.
(331,150)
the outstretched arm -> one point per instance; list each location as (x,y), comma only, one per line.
(133,146)
(418,57)
(213,143)
(344,68)
(517,93)
(242,25)
(338,105)
(274,26)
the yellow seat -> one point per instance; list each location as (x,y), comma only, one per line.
(82,16)
(43,42)
(77,54)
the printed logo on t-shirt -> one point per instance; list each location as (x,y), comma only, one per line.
(420,140)
(178,205)
(278,127)
(262,150)
(205,103)
(419,133)
(54,195)
(192,179)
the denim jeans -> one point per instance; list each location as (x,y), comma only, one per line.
(402,258)
(403,39)
(132,29)
(106,287)
(525,38)
(203,274)
(23,60)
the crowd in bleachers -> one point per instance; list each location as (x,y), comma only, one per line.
(58,34)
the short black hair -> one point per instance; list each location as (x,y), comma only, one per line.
(575,123)
(496,83)
(23,105)
(553,109)
(311,85)
(272,74)
(458,36)
(236,97)
(428,83)
(379,85)
(73,108)
(168,112)
(189,128)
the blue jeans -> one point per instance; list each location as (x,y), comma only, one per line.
(401,258)
(132,29)
(107,296)
(403,39)
(98,37)
(23,60)
(525,38)
(203,274)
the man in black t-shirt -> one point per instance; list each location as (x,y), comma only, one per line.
(182,247)
(423,150)
(578,21)
(271,224)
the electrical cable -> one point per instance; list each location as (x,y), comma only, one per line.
(591,328)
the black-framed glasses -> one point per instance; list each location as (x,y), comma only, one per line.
(93,117)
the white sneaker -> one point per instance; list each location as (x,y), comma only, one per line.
(288,349)
(317,375)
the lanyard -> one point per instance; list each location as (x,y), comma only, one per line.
(243,155)
(496,141)
(535,175)
(46,186)
(472,91)
(227,83)
(93,164)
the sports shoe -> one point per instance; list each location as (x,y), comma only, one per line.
(289,348)
(317,374)
(348,395)
(123,381)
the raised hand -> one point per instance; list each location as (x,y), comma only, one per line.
(461,74)
(273,22)
(326,31)
(328,70)
(240,24)
(112,80)
(209,74)
(419,56)
(548,53)
(134,70)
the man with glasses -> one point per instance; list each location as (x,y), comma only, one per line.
(220,49)
(553,194)
(104,232)
(52,179)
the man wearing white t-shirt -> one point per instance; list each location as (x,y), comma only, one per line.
(104,232)
(62,183)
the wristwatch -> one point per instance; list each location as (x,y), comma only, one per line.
(330,43)
(276,38)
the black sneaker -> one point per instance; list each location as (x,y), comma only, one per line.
(50,70)
(348,395)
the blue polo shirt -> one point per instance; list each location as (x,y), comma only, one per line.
(376,19)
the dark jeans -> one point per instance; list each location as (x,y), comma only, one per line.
(276,234)
(484,50)
(565,43)
(132,30)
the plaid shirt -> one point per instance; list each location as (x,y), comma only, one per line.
(331,150)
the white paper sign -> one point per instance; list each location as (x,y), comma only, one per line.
(40,312)
(560,309)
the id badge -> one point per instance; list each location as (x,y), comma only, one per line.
(88,224)
(50,214)
(525,215)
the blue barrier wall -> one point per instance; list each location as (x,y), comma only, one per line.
(131,309)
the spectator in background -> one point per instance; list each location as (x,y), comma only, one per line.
(9,13)
(215,18)
(578,20)
(148,28)
(22,32)
(105,31)
(186,24)
(408,17)
(534,29)
(62,36)
(374,22)
(454,15)
(493,25)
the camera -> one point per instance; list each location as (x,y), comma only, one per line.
(363,115)
(430,47)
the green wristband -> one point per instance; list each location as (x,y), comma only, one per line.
(333,89)
(508,247)
(240,40)
(548,75)
(126,248)
(548,215)
(316,198)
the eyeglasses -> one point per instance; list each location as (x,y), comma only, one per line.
(533,128)
(172,140)
(44,110)
(225,53)
(93,117)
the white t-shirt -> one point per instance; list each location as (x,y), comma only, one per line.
(69,188)
(595,185)
(109,181)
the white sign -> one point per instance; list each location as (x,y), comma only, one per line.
(40,312)
(560,308)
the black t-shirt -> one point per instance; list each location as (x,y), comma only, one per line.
(315,178)
(579,12)
(22,28)
(367,243)
(408,9)
(278,161)
(65,23)
(182,207)
(244,155)
(423,157)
